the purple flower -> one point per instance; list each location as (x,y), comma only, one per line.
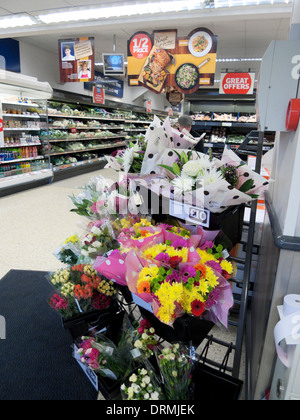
(207,245)
(212,298)
(216,266)
(173,278)
(179,243)
(164,258)
(165,226)
(187,272)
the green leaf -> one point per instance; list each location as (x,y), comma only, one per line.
(168,168)
(184,158)
(176,169)
(247,186)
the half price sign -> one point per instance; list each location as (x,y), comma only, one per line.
(237,83)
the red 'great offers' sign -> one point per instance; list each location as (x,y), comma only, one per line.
(237,83)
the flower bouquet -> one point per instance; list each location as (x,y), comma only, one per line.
(177,280)
(196,178)
(82,290)
(95,191)
(69,251)
(175,367)
(145,340)
(142,385)
(98,241)
(103,356)
(129,160)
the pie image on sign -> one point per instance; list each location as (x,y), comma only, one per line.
(154,72)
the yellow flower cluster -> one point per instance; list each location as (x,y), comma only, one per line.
(89,271)
(74,239)
(142,223)
(205,256)
(125,224)
(60,277)
(107,288)
(227,266)
(68,289)
(171,251)
(168,294)
(183,233)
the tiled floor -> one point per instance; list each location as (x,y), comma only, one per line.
(33,223)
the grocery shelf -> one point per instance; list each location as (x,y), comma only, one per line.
(108,146)
(7,162)
(71,139)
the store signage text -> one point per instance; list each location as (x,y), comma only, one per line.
(296,69)
(237,83)
(140,45)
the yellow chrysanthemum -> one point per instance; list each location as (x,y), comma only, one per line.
(168,294)
(205,256)
(142,223)
(74,239)
(211,279)
(147,274)
(227,266)
(172,252)
(189,296)
(125,224)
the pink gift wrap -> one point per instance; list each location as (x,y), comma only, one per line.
(112,267)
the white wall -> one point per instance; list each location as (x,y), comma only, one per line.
(35,62)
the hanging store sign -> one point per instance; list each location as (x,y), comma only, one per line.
(98,95)
(112,86)
(163,60)
(76,60)
(237,83)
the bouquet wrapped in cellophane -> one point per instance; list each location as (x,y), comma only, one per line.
(182,273)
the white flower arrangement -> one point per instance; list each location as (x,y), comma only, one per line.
(142,385)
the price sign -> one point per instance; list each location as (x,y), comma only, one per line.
(140,45)
(191,214)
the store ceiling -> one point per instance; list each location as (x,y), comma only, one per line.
(243,32)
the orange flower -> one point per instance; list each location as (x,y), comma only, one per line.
(143,287)
(200,267)
(85,278)
(144,233)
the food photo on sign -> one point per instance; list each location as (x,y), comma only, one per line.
(163,60)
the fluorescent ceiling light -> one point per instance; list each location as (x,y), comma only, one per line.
(225,60)
(16,20)
(120,11)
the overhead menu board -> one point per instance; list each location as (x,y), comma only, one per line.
(76,60)
(163,60)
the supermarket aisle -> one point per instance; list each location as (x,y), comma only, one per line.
(33,224)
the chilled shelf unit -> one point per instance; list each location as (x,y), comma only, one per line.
(22,159)
(78,136)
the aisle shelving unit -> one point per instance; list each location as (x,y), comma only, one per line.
(77,136)
(21,156)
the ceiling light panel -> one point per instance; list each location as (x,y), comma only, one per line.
(120,11)
(16,21)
